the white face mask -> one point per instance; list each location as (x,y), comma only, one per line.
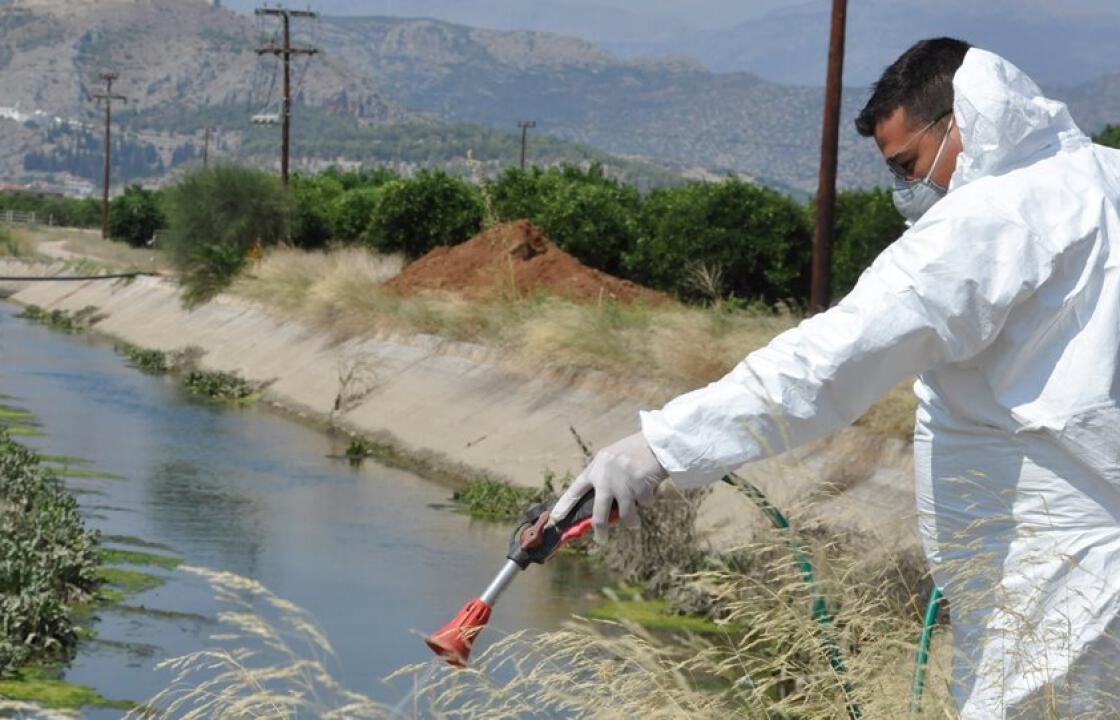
(912,198)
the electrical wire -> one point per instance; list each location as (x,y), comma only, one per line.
(56,278)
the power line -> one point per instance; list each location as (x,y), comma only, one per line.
(58,278)
(285,53)
(108,97)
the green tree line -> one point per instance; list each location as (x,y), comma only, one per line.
(701,241)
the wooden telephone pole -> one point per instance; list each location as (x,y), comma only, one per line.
(525,125)
(108,97)
(206,147)
(820,290)
(285,53)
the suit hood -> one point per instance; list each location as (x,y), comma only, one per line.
(1005,121)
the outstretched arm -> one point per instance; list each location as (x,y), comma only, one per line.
(940,294)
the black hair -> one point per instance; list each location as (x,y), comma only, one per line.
(920,80)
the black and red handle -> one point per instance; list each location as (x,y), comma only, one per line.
(539,536)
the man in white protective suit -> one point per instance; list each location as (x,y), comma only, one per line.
(1003,297)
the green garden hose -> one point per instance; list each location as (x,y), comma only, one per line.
(820,607)
(928,624)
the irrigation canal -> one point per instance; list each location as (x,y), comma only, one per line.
(377,555)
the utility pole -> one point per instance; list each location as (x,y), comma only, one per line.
(108,97)
(285,53)
(525,125)
(826,190)
(206,147)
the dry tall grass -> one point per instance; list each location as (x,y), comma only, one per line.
(777,668)
(654,351)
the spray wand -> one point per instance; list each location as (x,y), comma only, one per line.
(535,540)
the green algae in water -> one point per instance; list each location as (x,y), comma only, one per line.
(656,615)
(65,460)
(35,684)
(159,614)
(134,542)
(112,556)
(11,413)
(77,473)
(124,582)
(24,431)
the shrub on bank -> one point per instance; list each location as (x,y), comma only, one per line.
(47,560)
(1110,136)
(136,216)
(9,245)
(704,241)
(313,198)
(584,212)
(415,215)
(351,213)
(220,385)
(215,216)
(866,223)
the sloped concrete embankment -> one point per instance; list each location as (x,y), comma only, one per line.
(445,402)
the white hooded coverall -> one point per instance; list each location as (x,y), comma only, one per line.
(1005,299)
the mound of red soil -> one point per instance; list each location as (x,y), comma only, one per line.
(515,258)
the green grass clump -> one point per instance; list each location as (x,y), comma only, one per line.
(153,362)
(10,246)
(112,556)
(359,449)
(497,500)
(34,684)
(220,385)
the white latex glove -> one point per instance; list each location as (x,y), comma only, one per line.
(626,472)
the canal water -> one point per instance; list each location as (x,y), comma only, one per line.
(378,556)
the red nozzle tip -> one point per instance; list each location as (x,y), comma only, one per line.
(453,641)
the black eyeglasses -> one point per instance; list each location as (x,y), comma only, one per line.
(894,165)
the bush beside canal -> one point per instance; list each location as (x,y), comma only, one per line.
(184,363)
(64,320)
(153,362)
(48,560)
(220,385)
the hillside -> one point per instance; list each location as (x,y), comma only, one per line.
(669,109)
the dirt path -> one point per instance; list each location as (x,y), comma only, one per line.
(71,244)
